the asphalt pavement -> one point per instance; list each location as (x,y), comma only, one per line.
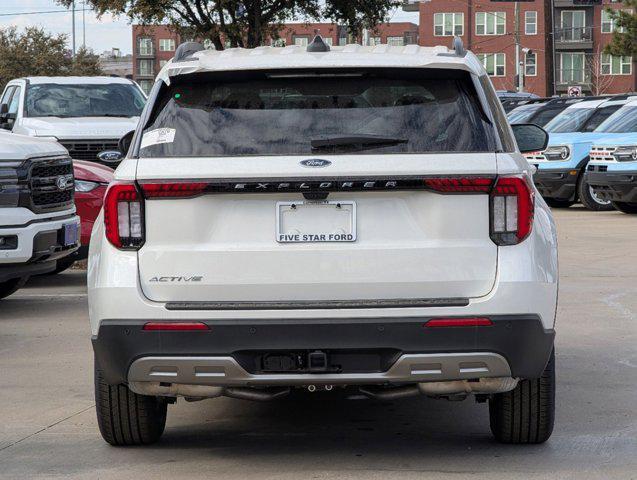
(48,427)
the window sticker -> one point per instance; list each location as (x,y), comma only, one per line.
(160,135)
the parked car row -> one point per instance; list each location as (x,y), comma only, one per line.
(589,157)
(58,136)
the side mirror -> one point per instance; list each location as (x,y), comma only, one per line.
(124,143)
(530,137)
(4,117)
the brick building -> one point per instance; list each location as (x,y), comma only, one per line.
(154,45)
(565,42)
(398,33)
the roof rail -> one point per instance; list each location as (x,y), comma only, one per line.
(318,45)
(186,50)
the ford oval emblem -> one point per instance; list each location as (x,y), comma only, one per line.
(110,156)
(315,162)
(62,183)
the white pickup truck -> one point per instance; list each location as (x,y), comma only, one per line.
(38,224)
(87,115)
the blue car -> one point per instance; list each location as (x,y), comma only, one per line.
(540,111)
(560,168)
(612,170)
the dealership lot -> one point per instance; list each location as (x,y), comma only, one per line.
(48,426)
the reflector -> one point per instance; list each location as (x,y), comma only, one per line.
(175,326)
(459,322)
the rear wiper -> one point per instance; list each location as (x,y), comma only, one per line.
(354,142)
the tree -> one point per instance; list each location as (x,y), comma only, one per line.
(247,23)
(35,52)
(624,40)
(599,82)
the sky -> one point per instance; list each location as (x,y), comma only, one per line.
(103,34)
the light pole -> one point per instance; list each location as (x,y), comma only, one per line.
(84,24)
(73,25)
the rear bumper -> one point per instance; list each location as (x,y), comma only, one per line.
(614,186)
(558,184)
(361,351)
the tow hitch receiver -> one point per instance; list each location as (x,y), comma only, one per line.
(317,361)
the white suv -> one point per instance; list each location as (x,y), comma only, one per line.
(359,218)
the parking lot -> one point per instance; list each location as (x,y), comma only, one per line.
(48,427)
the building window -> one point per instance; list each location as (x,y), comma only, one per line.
(530,65)
(494,63)
(279,42)
(166,44)
(301,41)
(146,67)
(396,41)
(573,25)
(608,23)
(616,65)
(146,86)
(145,46)
(530,23)
(572,68)
(375,41)
(490,23)
(328,41)
(448,24)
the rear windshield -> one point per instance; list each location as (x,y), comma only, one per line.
(84,100)
(301,113)
(522,114)
(623,120)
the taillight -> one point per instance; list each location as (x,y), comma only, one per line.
(173,190)
(460,184)
(512,205)
(124,216)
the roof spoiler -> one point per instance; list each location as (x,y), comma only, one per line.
(457,47)
(186,50)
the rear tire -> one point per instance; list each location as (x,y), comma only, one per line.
(554,203)
(625,207)
(126,418)
(589,199)
(11,286)
(526,414)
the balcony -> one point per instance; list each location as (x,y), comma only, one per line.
(145,47)
(146,52)
(565,78)
(576,3)
(580,38)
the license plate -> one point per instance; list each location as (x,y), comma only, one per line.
(70,234)
(312,222)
